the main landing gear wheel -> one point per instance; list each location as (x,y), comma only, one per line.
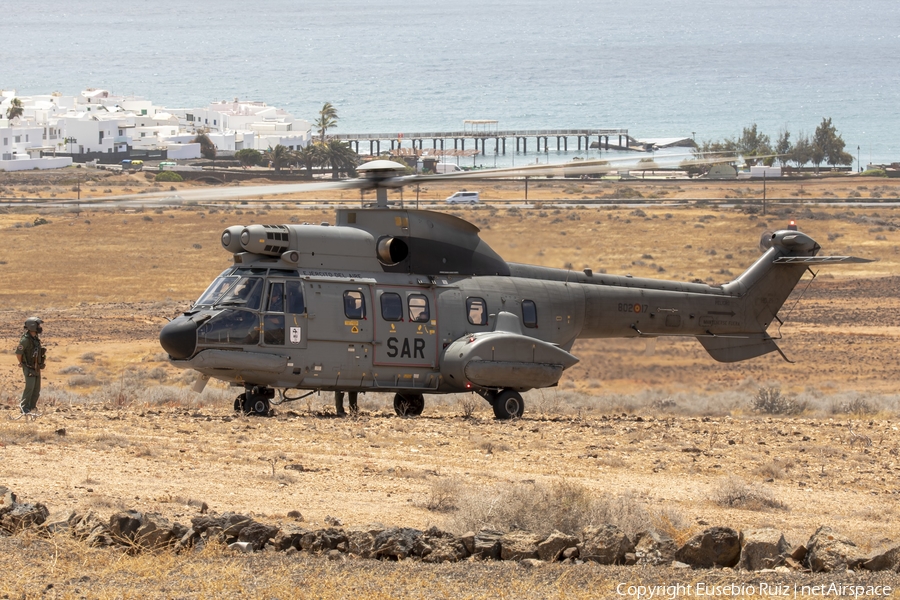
(409,405)
(508,404)
(239,402)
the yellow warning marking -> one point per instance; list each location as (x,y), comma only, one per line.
(354,329)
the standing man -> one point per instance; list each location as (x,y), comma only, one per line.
(31,357)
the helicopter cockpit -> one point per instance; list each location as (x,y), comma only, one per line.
(242,307)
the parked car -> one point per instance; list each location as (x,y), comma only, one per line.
(464,198)
(443,167)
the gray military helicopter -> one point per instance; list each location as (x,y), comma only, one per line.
(414,302)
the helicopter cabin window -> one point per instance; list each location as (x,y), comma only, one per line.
(246,293)
(477,310)
(230,327)
(391,307)
(354,305)
(529,313)
(276,297)
(418,308)
(294,293)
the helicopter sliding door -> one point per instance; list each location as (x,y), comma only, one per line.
(405,327)
(340,333)
(284,317)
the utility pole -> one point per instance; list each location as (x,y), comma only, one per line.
(764,191)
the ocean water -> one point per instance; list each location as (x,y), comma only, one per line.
(658,68)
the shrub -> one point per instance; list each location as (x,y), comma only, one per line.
(770,401)
(169,176)
(733,492)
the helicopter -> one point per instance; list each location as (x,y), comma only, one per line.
(413,302)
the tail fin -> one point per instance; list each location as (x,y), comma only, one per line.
(763,289)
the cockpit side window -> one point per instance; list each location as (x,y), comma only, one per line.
(477,311)
(216,290)
(418,308)
(246,293)
(354,305)
(295,304)
(391,307)
(230,327)
(276,297)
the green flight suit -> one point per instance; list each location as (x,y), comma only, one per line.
(32,356)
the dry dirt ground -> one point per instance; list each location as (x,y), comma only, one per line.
(661,429)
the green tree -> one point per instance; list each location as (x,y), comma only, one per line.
(248,157)
(328,119)
(830,145)
(753,143)
(783,147)
(801,153)
(15,109)
(207,148)
(340,157)
(280,156)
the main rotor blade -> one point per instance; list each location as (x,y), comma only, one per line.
(243,192)
(568,169)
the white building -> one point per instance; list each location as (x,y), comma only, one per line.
(97,121)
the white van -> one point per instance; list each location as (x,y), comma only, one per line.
(444,167)
(464,198)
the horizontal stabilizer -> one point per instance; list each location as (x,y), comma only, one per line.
(733,349)
(819,260)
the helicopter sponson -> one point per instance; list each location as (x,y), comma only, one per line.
(414,302)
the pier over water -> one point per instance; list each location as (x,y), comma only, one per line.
(482,132)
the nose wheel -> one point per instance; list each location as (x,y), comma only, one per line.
(409,405)
(508,404)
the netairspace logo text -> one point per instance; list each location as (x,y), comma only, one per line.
(740,590)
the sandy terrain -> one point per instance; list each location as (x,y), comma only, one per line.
(662,426)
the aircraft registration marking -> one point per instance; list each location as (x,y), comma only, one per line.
(633,307)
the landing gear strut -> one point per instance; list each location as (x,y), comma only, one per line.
(255,401)
(409,405)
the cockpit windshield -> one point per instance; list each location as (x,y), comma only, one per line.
(247,293)
(216,290)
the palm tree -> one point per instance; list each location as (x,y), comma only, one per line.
(340,157)
(328,118)
(310,156)
(279,156)
(15,109)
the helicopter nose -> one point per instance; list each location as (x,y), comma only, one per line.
(179,338)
